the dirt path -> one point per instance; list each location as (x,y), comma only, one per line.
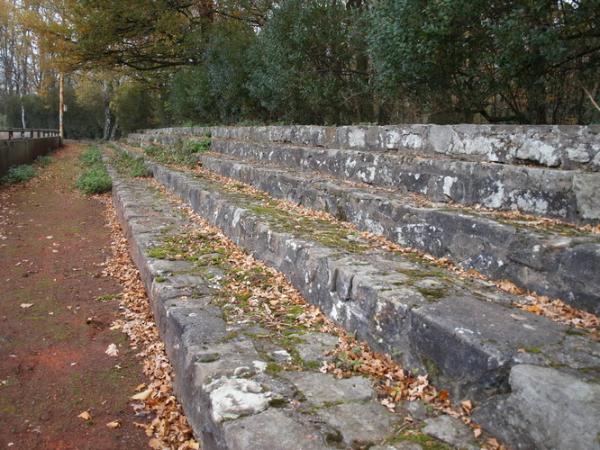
(55,316)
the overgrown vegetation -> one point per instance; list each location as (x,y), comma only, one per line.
(91,156)
(95,179)
(19,174)
(183,153)
(132,166)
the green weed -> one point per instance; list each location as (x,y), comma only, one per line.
(94,180)
(91,156)
(19,174)
(133,166)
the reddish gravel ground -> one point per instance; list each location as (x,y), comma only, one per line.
(53,366)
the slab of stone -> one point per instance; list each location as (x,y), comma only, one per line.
(567,147)
(273,430)
(231,398)
(320,388)
(316,346)
(450,430)
(547,408)
(416,409)
(360,424)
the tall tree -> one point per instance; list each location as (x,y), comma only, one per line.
(509,60)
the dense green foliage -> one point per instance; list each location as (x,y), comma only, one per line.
(319,61)
(95,178)
(141,63)
(519,60)
(309,64)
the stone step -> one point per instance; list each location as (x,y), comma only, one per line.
(561,194)
(445,176)
(225,373)
(566,147)
(215,360)
(558,262)
(465,333)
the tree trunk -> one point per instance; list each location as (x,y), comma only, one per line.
(61,106)
(109,118)
(23,120)
(108,125)
(113,131)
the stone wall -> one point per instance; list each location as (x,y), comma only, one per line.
(565,147)
(24,151)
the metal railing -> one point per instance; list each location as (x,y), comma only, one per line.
(26,133)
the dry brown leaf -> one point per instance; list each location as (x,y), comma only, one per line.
(114,424)
(155,444)
(85,415)
(467,406)
(443,395)
(142,395)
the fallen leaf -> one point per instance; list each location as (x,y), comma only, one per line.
(112,350)
(477,432)
(467,406)
(142,395)
(26,305)
(509,287)
(85,415)
(443,395)
(155,443)
(535,309)
(114,424)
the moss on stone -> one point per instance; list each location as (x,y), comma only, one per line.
(273,368)
(425,441)
(431,294)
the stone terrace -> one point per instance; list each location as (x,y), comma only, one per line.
(513,203)
(377,192)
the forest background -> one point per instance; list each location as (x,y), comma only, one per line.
(131,64)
